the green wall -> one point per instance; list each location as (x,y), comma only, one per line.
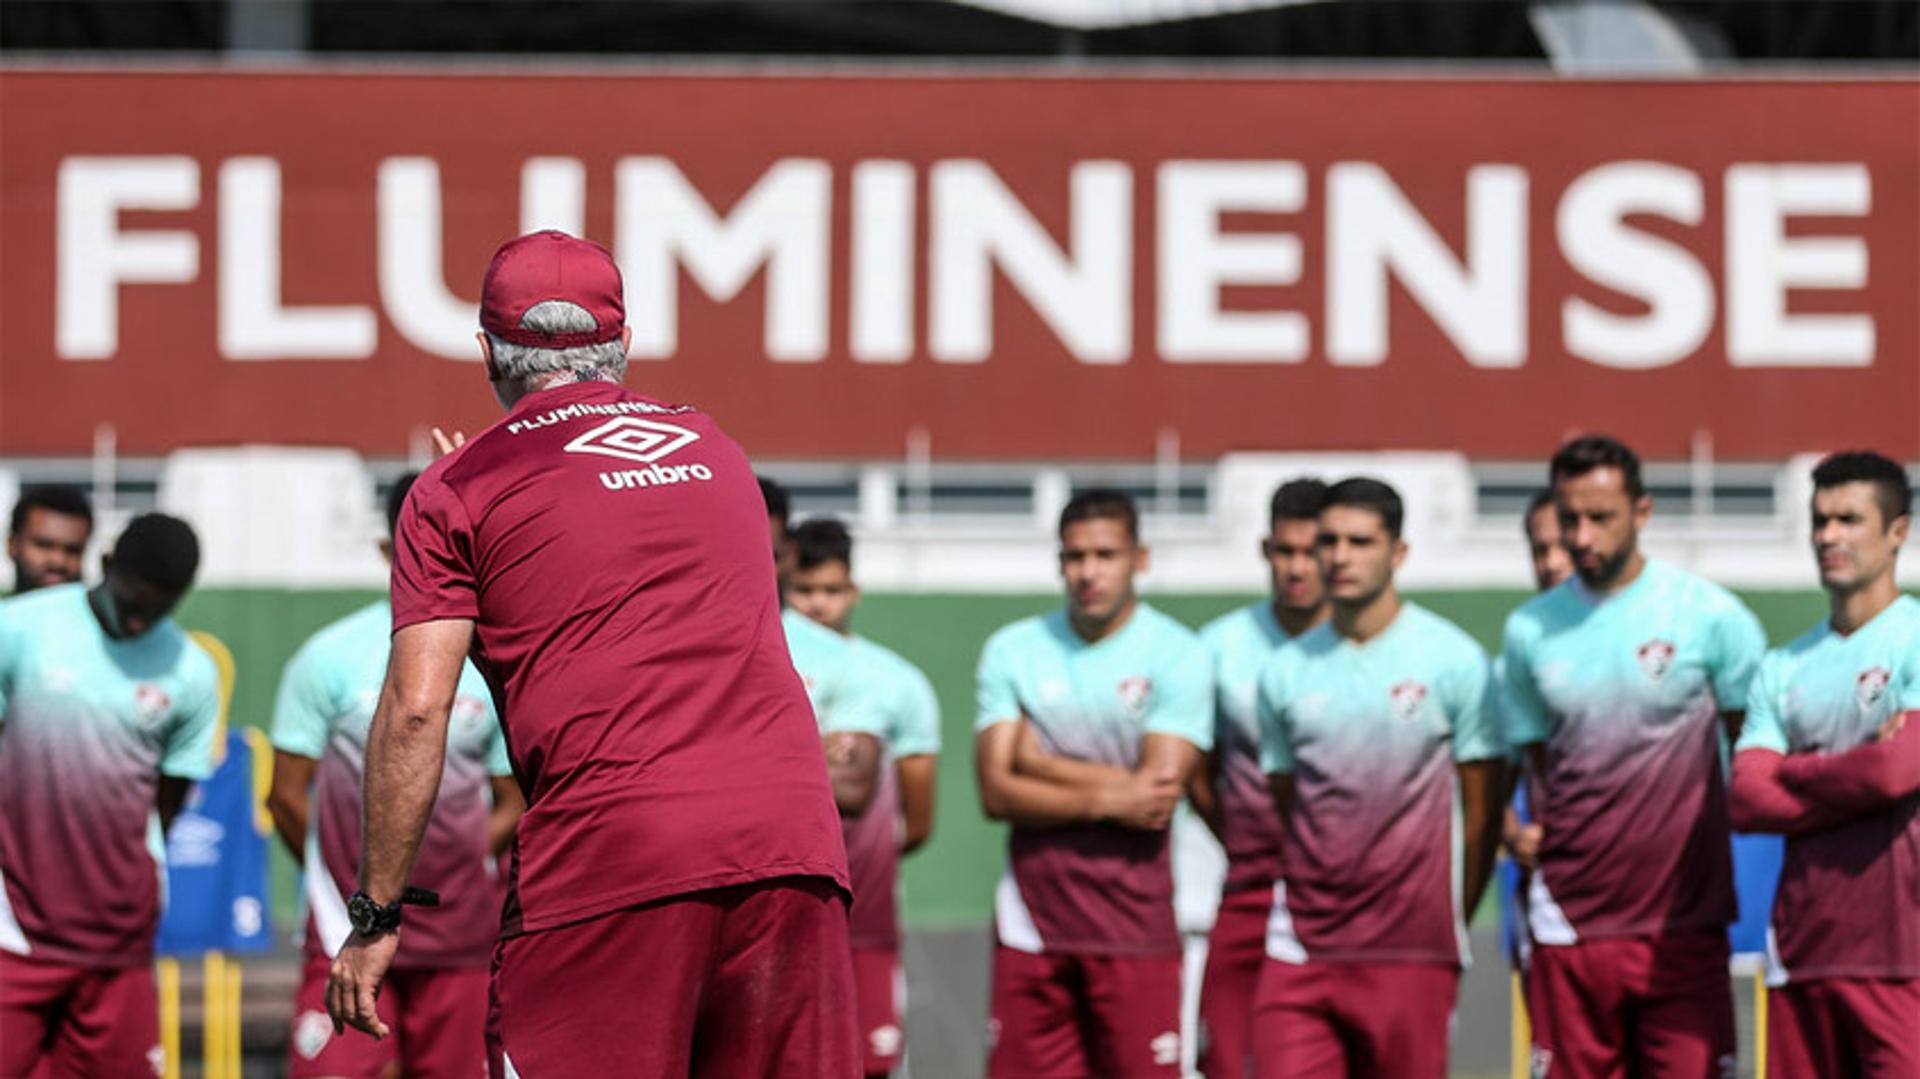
(950,882)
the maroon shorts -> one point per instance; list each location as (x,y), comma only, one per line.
(1844,1026)
(1358,1020)
(879,986)
(438,1019)
(1080,1015)
(67,1020)
(1236,950)
(749,980)
(1655,1005)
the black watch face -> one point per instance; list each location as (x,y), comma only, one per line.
(363,912)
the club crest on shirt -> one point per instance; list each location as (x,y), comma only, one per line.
(1871,687)
(1656,658)
(151,703)
(1407,698)
(1134,693)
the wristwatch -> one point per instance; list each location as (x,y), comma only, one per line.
(370,919)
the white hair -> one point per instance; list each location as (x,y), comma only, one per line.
(518,363)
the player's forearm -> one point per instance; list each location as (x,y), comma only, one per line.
(406,749)
(1027,802)
(509,805)
(1759,802)
(853,770)
(1202,794)
(917,775)
(1484,783)
(500,826)
(1865,779)
(289,813)
(1038,764)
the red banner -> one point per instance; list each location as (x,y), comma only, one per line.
(1021,267)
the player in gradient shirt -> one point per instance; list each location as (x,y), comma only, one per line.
(1387,767)
(1551,565)
(436,1000)
(1830,758)
(1091,720)
(899,815)
(1620,685)
(1230,792)
(109,713)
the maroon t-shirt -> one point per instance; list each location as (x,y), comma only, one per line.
(612,553)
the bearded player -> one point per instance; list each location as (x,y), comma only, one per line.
(1830,758)
(1231,792)
(1622,687)
(1091,721)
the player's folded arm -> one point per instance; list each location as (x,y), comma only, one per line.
(1022,800)
(853,769)
(1032,759)
(1865,779)
(1759,801)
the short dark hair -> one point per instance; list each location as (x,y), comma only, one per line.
(820,540)
(160,550)
(1298,500)
(1102,504)
(779,502)
(1538,501)
(1584,454)
(62,498)
(1891,488)
(397,500)
(1370,494)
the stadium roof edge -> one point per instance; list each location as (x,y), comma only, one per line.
(558,65)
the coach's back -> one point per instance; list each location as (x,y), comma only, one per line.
(612,552)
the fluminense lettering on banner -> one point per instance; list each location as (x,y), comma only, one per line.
(1375,239)
(871,264)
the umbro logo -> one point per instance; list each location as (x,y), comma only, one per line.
(631,439)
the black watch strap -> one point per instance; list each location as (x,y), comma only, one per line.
(372,919)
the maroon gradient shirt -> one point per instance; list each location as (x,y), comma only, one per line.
(612,553)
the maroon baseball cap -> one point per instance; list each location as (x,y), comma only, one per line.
(551,265)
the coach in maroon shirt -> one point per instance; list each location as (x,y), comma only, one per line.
(679,904)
